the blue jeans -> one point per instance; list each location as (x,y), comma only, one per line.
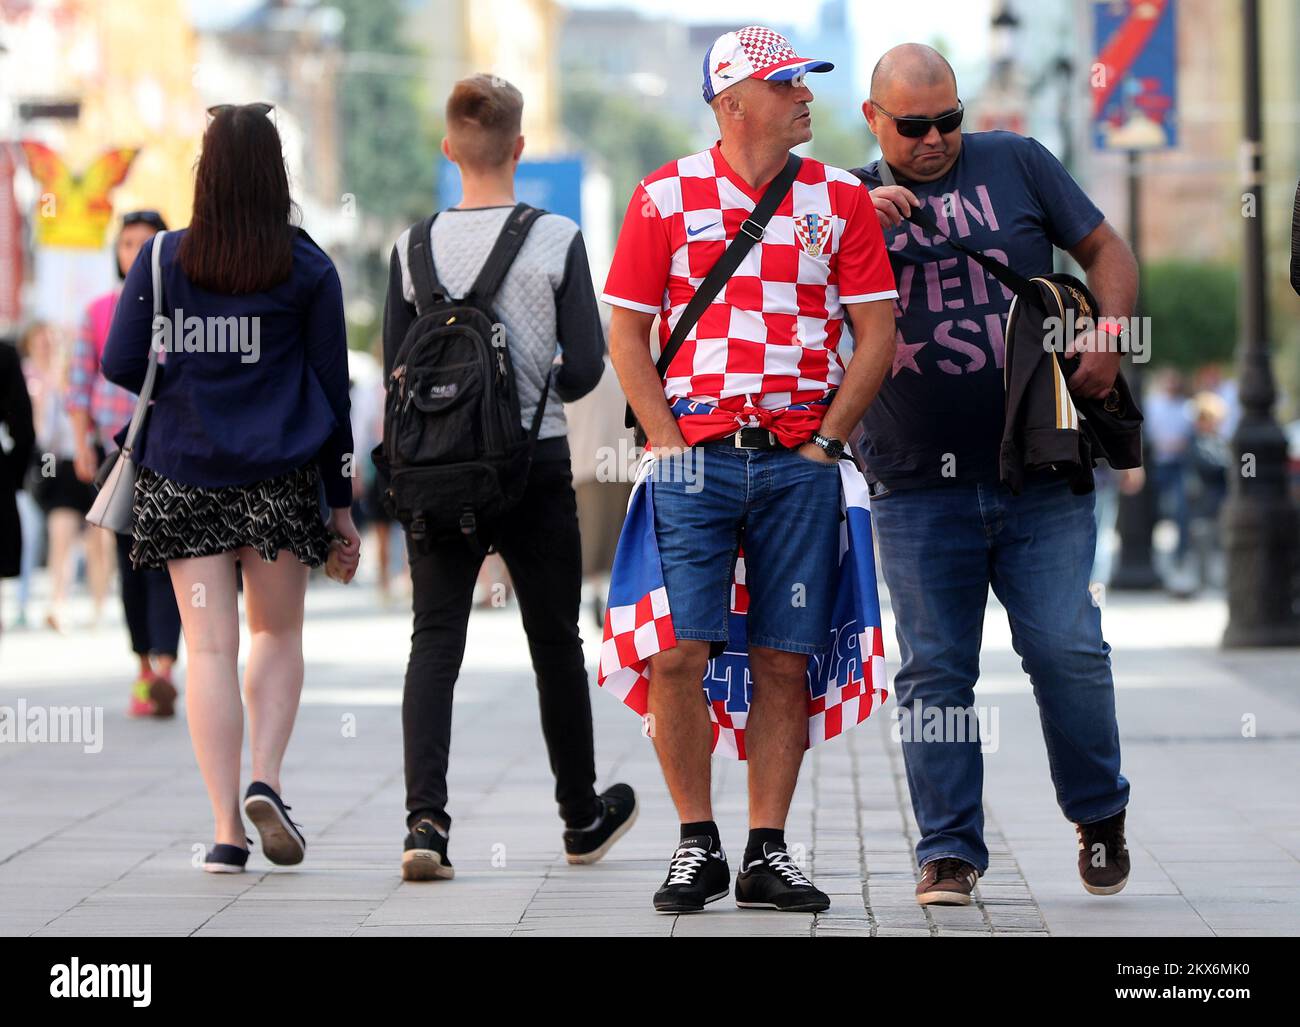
(941,548)
(784,508)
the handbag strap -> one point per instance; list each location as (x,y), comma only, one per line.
(155,347)
(921,215)
(751,231)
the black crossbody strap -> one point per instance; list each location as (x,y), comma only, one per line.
(751,231)
(921,215)
(504,250)
(419,262)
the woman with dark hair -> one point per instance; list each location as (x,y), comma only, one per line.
(249,423)
(98,408)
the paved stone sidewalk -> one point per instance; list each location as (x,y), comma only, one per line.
(104,844)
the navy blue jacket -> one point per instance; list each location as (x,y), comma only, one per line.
(232,409)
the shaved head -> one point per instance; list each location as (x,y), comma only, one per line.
(914,81)
(912,66)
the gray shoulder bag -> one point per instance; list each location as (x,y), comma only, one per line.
(112,507)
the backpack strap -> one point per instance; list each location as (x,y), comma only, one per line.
(419,262)
(509,242)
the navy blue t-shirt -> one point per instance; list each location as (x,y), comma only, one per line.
(940,412)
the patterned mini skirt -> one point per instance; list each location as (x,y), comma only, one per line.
(174,521)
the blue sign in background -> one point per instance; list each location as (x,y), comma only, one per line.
(1135,74)
(554,185)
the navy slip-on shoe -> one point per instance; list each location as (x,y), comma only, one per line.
(225,859)
(282,842)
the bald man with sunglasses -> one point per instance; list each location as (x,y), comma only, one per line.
(948,529)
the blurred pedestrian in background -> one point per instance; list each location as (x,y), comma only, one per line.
(63,497)
(1207,485)
(604,467)
(234,456)
(367,394)
(1168,426)
(17,438)
(98,408)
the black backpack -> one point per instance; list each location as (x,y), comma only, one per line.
(454,450)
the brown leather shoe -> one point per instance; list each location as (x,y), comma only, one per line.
(1103,855)
(946,882)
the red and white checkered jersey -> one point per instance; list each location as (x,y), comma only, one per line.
(770,337)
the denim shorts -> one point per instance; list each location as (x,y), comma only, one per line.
(783,508)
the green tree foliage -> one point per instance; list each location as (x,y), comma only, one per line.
(1193,311)
(629,137)
(389,149)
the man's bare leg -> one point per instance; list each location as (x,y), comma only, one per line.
(679,726)
(776,733)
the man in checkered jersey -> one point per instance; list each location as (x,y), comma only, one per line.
(746,430)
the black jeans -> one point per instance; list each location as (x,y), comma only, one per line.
(539,542)
(149,604)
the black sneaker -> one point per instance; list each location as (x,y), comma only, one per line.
(424,855)
(776,882)
(282,842)
(697,875)
(618,810)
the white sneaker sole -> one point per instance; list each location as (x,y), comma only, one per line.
(280,842)
(595,855)
(425,865)
(222,868)
(1110,889)
(942,898)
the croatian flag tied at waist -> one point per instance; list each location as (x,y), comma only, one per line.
(845,683)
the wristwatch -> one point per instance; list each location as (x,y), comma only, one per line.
(833,448)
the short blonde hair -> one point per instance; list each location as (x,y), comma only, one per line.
(484,116)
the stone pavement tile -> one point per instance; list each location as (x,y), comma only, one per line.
(904,932)
(843,929)
(339,914)
(1258,914)
(750,923)
(436,931)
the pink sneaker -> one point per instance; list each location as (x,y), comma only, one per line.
(140,704)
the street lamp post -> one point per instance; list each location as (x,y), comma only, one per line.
(1260,524)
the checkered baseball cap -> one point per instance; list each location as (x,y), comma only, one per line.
(753,52)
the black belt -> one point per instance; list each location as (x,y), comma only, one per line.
(753,438)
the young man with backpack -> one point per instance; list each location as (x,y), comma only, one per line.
(481,299)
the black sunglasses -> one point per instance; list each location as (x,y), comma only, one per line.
(144,217)
(256,108)
(916,128)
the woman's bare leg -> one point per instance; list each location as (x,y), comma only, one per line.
(274,593)
(209,607)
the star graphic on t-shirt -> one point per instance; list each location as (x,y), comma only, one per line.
(905,356)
